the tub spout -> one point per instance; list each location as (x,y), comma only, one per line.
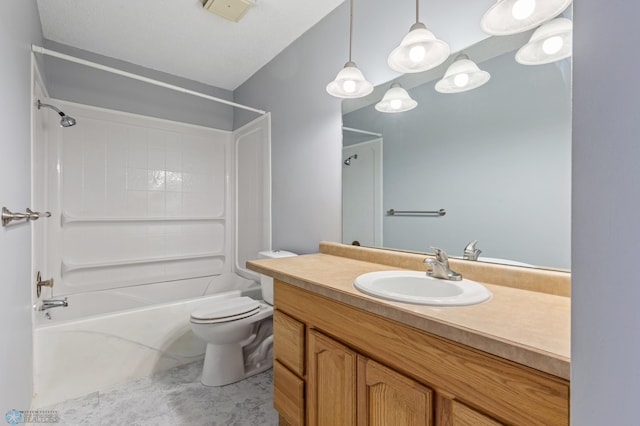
(53,303)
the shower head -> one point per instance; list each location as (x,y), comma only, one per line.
(347,162)
(65,120)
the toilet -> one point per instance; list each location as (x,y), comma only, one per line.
(238,332)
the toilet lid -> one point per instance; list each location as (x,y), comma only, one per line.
(226,310)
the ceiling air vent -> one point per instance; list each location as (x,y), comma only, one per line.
(232,10)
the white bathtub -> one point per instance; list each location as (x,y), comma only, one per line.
(108,337)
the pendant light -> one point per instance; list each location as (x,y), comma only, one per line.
(462,75)
(515,16)
(350,83)
(396,99)
(419,50)
(549,43)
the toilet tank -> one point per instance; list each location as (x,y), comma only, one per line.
(265,281)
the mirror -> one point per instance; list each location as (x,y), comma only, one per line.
(497,159)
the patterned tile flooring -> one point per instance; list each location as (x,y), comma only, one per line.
(175,397)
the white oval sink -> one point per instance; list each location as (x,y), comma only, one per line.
(419,288)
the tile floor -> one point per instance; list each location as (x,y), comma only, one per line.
(175,398)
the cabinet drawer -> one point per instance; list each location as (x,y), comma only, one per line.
(288,395)
(465,416)
(288,342)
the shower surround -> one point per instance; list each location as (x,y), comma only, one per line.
(149,219)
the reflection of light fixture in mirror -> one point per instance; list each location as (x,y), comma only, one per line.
(549,43)
(515,16)
(396,100)
(350,83)
(419,50)
(462,75)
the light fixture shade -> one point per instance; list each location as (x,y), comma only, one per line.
(396,100)
(515,16)
(349,83)
(419,51)
(549,43)
(462,75)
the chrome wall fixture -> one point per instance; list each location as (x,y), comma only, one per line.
(42,283)
(65,120)
(394,212)
(8,216)
(347,162)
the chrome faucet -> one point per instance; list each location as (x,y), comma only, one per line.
(440,266)
(471,252)
(53,303)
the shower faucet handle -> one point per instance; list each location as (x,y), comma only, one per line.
(42,283)
(8,216)
(31,215)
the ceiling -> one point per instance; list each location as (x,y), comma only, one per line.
(180,37)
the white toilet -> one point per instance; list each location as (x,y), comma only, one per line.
(238,332)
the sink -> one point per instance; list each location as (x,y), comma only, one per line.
(419,288)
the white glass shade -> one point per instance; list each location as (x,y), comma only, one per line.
(515,16)
(461,76)
(396,100)
(549,43)
(419,51)
(349,83)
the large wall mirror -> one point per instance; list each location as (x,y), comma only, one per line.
(496,159)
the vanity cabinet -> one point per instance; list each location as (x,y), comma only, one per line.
(339,365)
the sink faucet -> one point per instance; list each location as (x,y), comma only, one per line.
(471,252)
(53,303)
(440,266)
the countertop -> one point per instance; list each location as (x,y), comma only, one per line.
(528,327)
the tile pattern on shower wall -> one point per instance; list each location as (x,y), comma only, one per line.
(143,201)
(122,170)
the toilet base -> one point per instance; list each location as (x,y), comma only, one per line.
(234,368)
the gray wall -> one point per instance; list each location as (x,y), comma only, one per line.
(497,158)
(78,83)
(606,202)
(306,135)
(19,27)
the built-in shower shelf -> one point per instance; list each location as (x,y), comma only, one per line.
(70,267)
(66,219)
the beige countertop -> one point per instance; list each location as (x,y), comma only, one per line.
(527,327)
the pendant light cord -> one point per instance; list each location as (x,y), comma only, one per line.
(350,27)
(417,11)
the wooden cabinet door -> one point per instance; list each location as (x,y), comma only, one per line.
(385,397)
(331,382)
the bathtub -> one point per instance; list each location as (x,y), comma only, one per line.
(104,338)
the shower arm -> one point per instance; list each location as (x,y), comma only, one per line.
(41,105)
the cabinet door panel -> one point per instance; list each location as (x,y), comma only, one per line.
(331,384)
(386,397)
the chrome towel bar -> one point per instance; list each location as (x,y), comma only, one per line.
(393,212)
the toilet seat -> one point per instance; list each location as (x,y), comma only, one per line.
(226,310)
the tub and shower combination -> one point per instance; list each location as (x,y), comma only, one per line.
(150,219)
